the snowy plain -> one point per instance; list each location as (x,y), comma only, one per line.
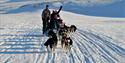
(97,40)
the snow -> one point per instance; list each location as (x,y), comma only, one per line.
(97,39)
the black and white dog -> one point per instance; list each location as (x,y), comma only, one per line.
(66,42)
(67,30)
(73,28)
(52,41)
(61,32)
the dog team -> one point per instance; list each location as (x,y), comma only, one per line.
(56,29)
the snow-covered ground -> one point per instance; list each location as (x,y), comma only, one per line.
(97,39)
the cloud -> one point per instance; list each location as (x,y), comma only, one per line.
(57,4)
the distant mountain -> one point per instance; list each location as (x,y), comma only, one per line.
(104,8)
(116,9)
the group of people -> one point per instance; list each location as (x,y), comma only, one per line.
(51,20)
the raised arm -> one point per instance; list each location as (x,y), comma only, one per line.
(59,9)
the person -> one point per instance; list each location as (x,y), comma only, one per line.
(54,19)
(45,18)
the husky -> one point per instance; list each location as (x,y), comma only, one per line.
(65,29)
(52,41)
(66,42)
(73,28)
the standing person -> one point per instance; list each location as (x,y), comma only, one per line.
(54,19)
(45,18)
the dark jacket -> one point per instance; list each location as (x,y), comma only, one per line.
(46,14)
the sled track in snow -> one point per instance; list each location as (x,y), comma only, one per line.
(88,47)
(99,48)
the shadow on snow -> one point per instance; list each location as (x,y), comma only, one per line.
(27,42)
